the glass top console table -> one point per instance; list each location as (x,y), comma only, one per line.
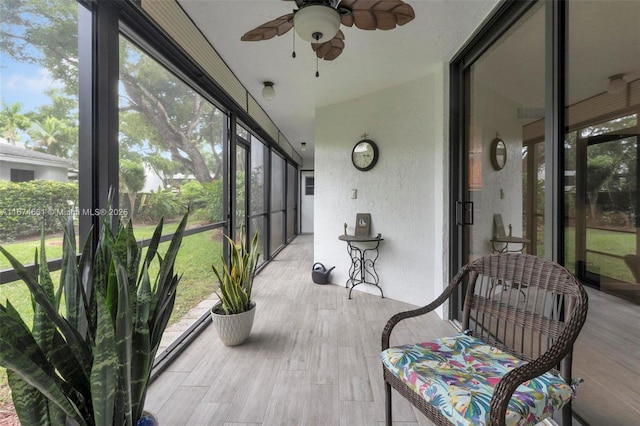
(363,252)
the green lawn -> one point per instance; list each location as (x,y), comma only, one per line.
(197,253)
(602,240)
(24,250)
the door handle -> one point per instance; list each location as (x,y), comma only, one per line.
(464,212)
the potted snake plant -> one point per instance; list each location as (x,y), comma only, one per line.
(234,313)
(87,359)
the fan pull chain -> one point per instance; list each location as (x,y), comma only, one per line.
(317,73)
(293,54)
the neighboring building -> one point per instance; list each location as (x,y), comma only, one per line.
(153,181)
(19,164)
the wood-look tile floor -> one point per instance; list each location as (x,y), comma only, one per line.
(607,356)
(312,359)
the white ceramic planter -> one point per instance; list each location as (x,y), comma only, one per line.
(233,330)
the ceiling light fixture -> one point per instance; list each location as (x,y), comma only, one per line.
(268,92)
(316,23)
(303,146)
(616,84)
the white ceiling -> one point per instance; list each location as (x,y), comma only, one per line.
(603,40)
(371,60)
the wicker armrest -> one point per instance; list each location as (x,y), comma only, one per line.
(547,361)
(394,320)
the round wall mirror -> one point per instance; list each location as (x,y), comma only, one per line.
(498,154)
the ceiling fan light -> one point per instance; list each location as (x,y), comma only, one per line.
(316,23)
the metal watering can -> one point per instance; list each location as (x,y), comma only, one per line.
(320,274)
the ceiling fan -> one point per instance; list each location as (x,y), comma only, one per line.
(318,22)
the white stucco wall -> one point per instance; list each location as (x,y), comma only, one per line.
(405,192)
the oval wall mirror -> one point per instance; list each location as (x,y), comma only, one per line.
(498,154)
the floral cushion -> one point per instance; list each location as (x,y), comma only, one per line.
(457,375)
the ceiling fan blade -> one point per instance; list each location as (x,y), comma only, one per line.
(331,49)
(376,14)
(270,29)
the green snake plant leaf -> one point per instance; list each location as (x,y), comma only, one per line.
(163,298)
(119,248)
(235,279)
(132,262)
(80,351)
(51,342)
(31,404)
(33,407)
(43,329)
(123,331)
(71,281)
(152,249)
(69,277)
(104,371)
(253,263)
(166,266)
(111,251)
(100,282)
(62,358)
(64,264)
(85,268)
(20,352)
(90,365)
(133,254)
(142,357)
(158,323)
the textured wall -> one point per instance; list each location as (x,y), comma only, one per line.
(404,192)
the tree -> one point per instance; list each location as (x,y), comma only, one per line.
(13,121)
(599,171)
(132,177)
(45,133)
(63,109)
(183,124)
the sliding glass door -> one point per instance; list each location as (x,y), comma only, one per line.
(504,174)
(557,85)
(606,249)
(601,145)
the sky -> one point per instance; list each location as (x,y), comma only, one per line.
(24,83)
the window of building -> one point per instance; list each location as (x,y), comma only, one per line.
(309,185)
(21,175)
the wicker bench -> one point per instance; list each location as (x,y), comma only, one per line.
(512,363)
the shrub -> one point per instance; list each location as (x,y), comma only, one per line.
(194,194)
(26,206)
(204,199)
(157,205)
